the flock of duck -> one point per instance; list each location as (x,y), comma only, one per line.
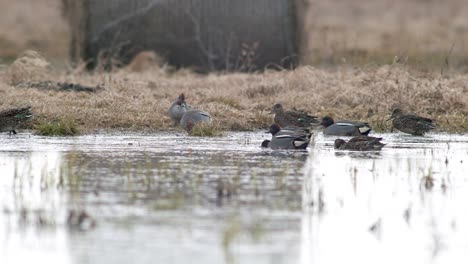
(292,129)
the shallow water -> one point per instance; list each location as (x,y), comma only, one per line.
(173,198)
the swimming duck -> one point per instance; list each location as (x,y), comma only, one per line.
(410,124)
(287,138)
(344,128)
(360,143)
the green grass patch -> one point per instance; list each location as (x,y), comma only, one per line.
(205,129)
(59,127)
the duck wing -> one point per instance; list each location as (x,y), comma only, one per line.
(294,118)
(20,113)
(416,118)
(418,123)
(352,123)
(364,143)
(365,139)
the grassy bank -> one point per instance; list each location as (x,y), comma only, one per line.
(139,101)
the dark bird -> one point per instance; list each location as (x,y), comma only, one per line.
(344,128)
(13,118)
(292,118)
(361,143)
(287,138)
(266,143)
(411,124)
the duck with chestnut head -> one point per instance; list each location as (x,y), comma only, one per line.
(178,108)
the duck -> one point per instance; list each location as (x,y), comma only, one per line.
(178,108)
(192,117)
(409,123)
(287,138)
(360,143)
(344,127)
(292,117)
(11,119)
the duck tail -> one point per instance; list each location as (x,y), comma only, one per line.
(378,146)
(365,130)
(431,125)
(301,143)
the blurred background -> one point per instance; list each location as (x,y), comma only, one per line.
(422,33)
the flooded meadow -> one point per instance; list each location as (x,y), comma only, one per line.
(168,197)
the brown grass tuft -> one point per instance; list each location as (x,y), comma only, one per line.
(144,61)
(30,66)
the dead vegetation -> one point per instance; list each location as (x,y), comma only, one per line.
(32,24)
(237,101)
(422,34)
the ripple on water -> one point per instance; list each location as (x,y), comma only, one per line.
(169,197)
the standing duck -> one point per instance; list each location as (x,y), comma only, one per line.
(292,118)
(13,118)
(410,124)
(361,143)
(344,128)
(288,138)
(192,117)
(178,108)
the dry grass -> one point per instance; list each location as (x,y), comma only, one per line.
(139,101)
(337,32)
(362,32)
(32,24)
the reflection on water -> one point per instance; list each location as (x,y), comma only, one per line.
(406,204)
(32,208)
(154,197)
(171,198)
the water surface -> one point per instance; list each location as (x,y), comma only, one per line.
(172,198)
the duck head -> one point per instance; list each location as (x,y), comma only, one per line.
(181,100)
(395,113)
(327,121)
(339,142)
(277,109)
(274,129)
